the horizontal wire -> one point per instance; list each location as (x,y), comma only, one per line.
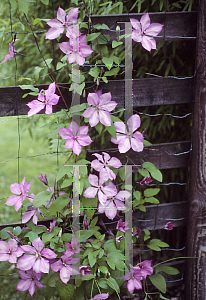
(182,153)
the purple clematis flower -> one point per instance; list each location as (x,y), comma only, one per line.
(11,53)
(10,251)
(134,278)
(145,267)
(51,226)
(76,49)
(21,191)
(75,137)
(125,137)
(84,270)
(169,226)
(144,32)
(35,257)
(101,106)
(73,248)
(28,281)
(31,212)
(65,20)
(114,202)
(103,162)
(122,226)
(146,180)
(100,296)
(46,98)
(64,266)
(119,238)
(43,179)
(137,232)
(86,224)
(103,191)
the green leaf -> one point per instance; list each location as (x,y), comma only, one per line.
(41,198)
(105,79)
(65,291)
(110,263)
(46,2)
(86,234)
(92,36)
(122,173)
(155,244)
(99,127)
(46,237)
(92,259)
(13,4)
(67,182)
(144,172)
(162,297)
(137,195)
(141,207)
(101,26)
(103,283)
(112,130)
(112,72)
(94,72)
(155,173)
(32,236)
(116,44)
(63,171)
(17,230)
(29,87)
(152,200)
(103,269)
(151,192)
(167,270)
(115,119)
(110,246)
(23,6)
(159,282)
(60,65)
(113,284)
(58,204)
(83,162)
(108,61)
(66,237)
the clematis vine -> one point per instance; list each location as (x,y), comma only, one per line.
(75,137)
(58,27)
(127,138)
(103,162)
(46,98)
(101,106)
(10,251)
(76,49)
(144,32)
(11,53)
(29,280)
(21,191)
(35,257)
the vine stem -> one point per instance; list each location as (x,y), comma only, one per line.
(45,61)
(173,259)
(114,288)
(97,286)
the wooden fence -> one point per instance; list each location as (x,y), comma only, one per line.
(162,91)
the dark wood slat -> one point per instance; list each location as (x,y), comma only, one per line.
(146,92)
(157,216)
(176,24)
(162,155)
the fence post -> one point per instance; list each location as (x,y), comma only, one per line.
(196,225)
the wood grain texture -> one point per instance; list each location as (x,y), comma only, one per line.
(164,156)
(185,24)
(146,92)
(196,235)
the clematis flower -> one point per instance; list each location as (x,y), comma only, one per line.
(46,98)
(122,226)
(31,212)
(119,238)
(75,137)
(51,226)
(64,266)
(137,232)
(101,106)
(43,179)
(11,53)
(144,32)
(73,248)
(145,267)
(134,278)
(114,202)
(128,138)
(35,257)
(76,49)
(84,270)
(103,191)
(10,251)
(58,27)
(21,191)
(28,281)
(146,180)
(169,226)
(103,162)
(86,224)
(100,296)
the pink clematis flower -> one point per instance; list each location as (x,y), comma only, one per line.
(137,232)
(43,179)
(119,238)
(64,266)
(103,191)
(128,138)
(145,267)
(10,251)
(65,21)
(84,270)
(169,226)
(100,296)
(101,106)
(75,137)
(114,202)
(28,281)
(144,32)
(146,180)
(73,248)
(21,191)
(86,224)
(103,162)
(76,49)
(45,99)
(51,226)
(35,257)
(11,53)
(134,278)
(31,212)
(122,226)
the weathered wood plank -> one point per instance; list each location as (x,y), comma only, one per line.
(146,92)
(164,156)
(196,232)
(176,24)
